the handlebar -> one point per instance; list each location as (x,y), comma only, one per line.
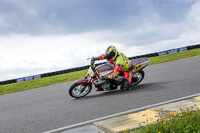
(91,62)
(89,58)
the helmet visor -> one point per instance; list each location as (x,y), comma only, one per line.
(109,56)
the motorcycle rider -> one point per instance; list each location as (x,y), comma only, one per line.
(121,63)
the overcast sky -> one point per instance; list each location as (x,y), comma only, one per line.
(39,36)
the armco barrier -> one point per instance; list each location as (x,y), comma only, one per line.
(86,67)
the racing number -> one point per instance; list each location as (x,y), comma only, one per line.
(138,67)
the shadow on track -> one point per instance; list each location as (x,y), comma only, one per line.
(136,89)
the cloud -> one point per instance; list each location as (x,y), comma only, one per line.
(24,55)
(44,36)
(66,16)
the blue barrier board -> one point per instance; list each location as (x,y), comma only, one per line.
(172,51)
(28,78)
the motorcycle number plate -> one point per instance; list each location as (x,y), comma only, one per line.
(90,72)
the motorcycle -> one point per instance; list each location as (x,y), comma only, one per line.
(82,87)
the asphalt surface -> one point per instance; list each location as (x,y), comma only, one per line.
(47,108)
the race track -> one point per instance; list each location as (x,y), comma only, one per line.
(47,108)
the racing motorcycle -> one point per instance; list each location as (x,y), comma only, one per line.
(82,87)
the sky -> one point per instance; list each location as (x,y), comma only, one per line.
(40,36)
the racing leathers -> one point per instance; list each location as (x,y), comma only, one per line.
(121,64)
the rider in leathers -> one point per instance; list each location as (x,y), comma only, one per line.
(121,63)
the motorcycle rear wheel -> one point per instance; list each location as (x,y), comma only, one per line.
(75,90)
(137,78)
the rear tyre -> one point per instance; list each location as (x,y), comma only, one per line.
(137,78)
(75,90)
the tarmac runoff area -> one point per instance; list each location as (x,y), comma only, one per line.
(130,121)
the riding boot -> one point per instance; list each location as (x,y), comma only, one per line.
(127,85)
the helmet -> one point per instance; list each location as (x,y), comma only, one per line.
(111,53)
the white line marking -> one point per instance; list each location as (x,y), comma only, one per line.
(119,114)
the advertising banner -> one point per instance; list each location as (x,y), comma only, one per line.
(172,51)
(28,78)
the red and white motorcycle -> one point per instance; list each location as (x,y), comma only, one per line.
(82,87)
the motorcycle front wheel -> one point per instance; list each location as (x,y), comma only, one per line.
(79,90)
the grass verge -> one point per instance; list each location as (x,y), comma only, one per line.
(15,87)
(187,121)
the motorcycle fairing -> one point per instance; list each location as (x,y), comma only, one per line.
(139,63)
(105,69)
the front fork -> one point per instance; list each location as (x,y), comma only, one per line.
(84,82)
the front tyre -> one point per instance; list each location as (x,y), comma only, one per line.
(79,90)
(137,78)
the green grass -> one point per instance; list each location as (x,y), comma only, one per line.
(15,87)
(188,121)
(175,56)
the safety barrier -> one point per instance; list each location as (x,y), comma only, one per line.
(87,66)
